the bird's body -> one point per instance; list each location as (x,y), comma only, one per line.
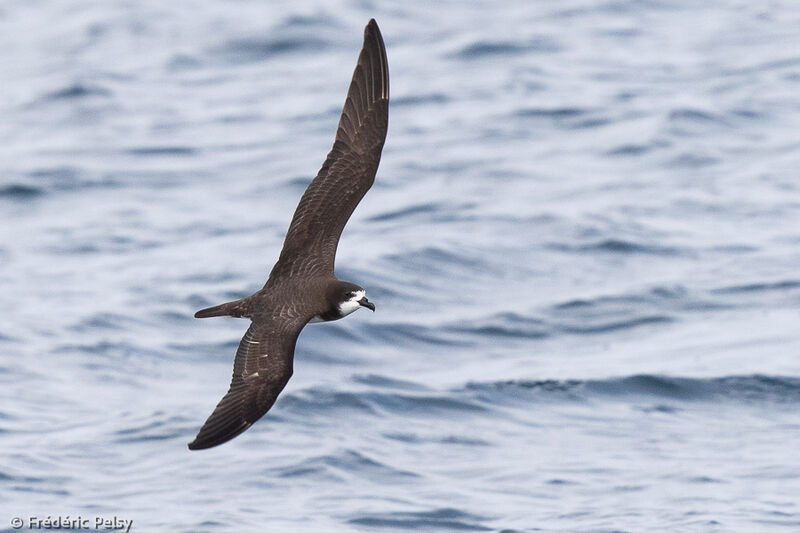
(302,287)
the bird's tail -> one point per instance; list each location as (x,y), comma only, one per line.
(237,308)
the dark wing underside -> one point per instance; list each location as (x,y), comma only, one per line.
(262,367)
(348,172)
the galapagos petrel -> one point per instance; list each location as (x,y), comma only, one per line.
(302,287)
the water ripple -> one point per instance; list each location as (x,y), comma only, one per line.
(147,151)
(748,389)
(444,519)
(346,464)
(783,285)
(77,91)
(621,246)
(157,427)
(488,49)
(246,50)
(20,192)
(322,400)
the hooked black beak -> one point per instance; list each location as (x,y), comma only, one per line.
(363,302)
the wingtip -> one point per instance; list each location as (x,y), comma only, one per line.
(211,435)
(372,27)
(205,444)
(195,445)
(373,37)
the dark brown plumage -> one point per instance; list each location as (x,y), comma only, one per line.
(302,286)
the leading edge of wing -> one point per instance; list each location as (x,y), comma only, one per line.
(349,170)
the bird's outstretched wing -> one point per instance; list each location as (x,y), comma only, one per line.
(262,367)
(348,172)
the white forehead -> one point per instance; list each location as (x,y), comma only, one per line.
(358,295)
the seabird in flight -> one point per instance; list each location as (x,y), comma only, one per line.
(302,287)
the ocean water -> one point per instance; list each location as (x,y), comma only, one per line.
(583,243)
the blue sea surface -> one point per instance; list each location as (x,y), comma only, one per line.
(583,243)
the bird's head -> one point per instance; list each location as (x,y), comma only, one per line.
(350,297)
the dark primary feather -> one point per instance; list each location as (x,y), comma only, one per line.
(262,367)
(348,172)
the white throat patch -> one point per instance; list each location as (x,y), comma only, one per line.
(347,307)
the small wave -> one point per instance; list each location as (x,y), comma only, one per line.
(432,211)
(146,151)
(784,285)
(174,317)
(421,209)
(748,114)
(440,261)
(692,160)
(504,325)
(629,150)
(593,315)
(750,388)
(254,49)
(405,333)
(636,150)
(694,115)
(324,400)
(49,485)
(181,62)
(607,326)
(306,21)
(629,247)
(104,356)
(115,244)
(552,113)
(412,438)
(576,317)
(77,91)
(105,321)
(385,382)
(205,350)
(445,519)
(657,294)
(420,99)
(209,277)
(21,192)
(159,427)
(569,118)
(620,246)
(703,480)
(60,178)
(346,464)
(482,49)
(319,400)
